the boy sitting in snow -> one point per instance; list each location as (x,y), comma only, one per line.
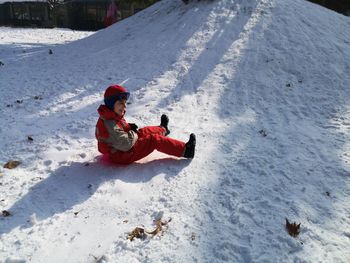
(124,142)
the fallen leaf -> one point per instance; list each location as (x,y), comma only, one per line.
(193,236)
(263,132)
(30,138)
(159,226)
(138,232)
(12,164)
(125,221)
(293,228)
(141,233)
(157,230)
(6,213)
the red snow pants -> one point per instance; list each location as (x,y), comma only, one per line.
(150,138)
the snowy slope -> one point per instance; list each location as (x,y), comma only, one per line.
(263,83)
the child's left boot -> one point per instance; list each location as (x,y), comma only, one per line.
(164,121)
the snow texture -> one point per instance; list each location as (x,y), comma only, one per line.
(264,84)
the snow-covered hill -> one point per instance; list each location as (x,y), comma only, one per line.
(264,84)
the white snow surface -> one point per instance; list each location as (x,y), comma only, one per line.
(264,84)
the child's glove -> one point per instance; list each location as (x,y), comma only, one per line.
(133,127)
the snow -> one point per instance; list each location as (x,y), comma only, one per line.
(264,84)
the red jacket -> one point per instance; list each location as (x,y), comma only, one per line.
(113,133)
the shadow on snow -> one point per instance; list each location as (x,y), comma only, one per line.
(77,182)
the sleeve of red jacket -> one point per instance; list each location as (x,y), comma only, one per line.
(118,138)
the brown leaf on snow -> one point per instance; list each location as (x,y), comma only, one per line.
(193,236)
(138,232)
(141,233)
(263,132)
(159,226)
(12,164)
(293,228)
(6,213)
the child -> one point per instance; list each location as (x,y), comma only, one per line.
(124,142)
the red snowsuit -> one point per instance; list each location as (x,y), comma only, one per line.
(125,146)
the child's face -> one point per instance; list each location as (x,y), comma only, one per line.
(119,107)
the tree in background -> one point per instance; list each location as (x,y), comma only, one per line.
(341,6)
(54,5)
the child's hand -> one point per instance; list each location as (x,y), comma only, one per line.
(133,127)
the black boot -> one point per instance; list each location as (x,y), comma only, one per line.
(190,147)
(164,121)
